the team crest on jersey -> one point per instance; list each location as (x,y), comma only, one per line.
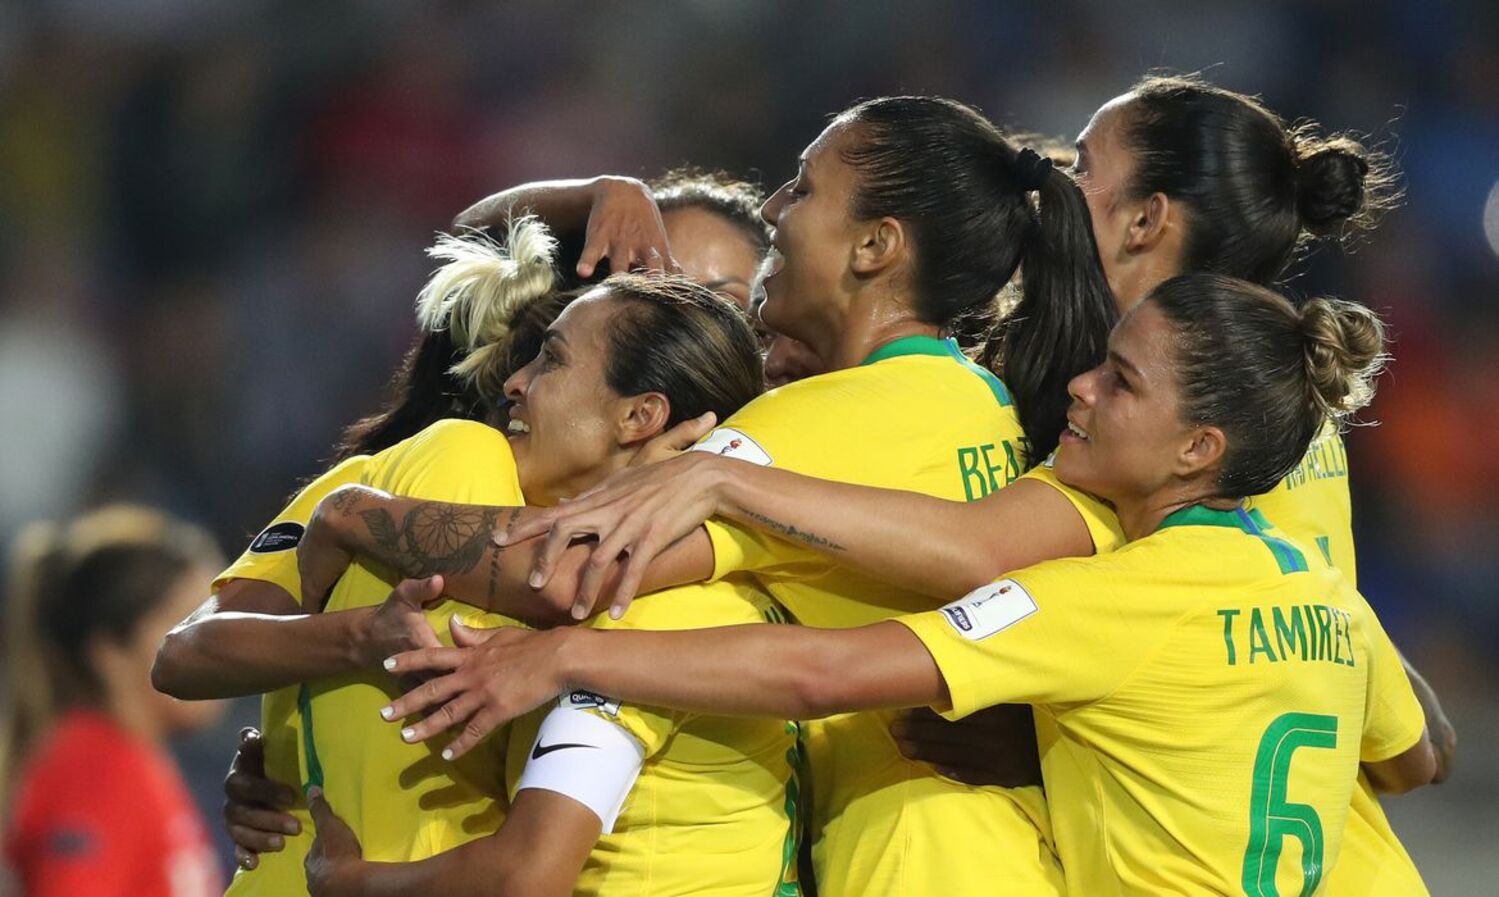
(990,609)
(731,443)
(578,699)
(281,537)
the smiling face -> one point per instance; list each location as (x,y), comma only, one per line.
(808,281)
(564,418)
(1125,439)
(713,251)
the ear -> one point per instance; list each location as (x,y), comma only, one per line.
(643,417)
(879,246)
(1202,454)
(1155,218)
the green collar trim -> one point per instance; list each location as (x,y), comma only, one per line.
(931,345)
(1287,556)
(907,345)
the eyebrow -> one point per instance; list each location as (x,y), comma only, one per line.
(1125,363)
(725,281)
(553,336)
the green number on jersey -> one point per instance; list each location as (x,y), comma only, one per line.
(1272,818)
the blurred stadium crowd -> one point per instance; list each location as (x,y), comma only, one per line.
(212,217)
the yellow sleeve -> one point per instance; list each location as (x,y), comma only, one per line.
(1393,718)
(272,555)
(1055,633)
(798,431)
(452,460)
(1102,522)
(687,607)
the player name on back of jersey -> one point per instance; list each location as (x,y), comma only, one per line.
(1305,632)
(1326,459)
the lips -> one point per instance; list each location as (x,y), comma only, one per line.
(774,262)
(517,425)
(1074,433)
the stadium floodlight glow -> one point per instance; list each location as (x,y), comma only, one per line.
(1491,218)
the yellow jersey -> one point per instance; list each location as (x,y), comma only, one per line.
(916,415)
(403,801)
(714,808)
(272,557)
(1312,507)
(1211,690)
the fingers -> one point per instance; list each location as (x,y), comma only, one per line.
(552,549)
(593,250)
(630,576)
(249,788)
(245,859)
(419,592)
(528,526)
(249,756)
(478,726)
(465,636)
(322,814)
(429,694)
(425,660)
(454,713)
(259,830)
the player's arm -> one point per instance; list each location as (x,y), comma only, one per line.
(419,538)
(252,637)
(622,221)
(1405,771)
(786,672)
(539,850)
(1438,727)
(931,545)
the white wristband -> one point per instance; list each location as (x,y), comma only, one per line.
(589,759)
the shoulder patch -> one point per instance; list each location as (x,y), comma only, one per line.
(731,443)
(281,537)
(578,699)
(990,609)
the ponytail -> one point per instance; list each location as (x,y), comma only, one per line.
(1060,327)
(29,671)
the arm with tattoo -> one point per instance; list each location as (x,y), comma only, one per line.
(413,538)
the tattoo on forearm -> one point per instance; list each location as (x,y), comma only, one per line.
(494,558)
(787,531)
(433,537)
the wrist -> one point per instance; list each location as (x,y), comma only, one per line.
(730,488)
(363,650)
(571,654)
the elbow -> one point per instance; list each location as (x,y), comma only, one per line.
(167,671)
(814,689)
(1407,772)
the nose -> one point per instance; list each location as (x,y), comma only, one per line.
(770,212)
(1083,387)
(516,383)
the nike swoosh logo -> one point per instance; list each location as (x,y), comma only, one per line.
(542,750)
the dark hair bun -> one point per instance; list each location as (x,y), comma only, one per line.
(1340,185)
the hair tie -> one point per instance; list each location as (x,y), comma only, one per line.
(1032,169)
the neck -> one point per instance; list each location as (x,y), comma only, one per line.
(1138,283)
(865,328)
(1139,517)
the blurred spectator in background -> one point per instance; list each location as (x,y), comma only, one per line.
(95,806)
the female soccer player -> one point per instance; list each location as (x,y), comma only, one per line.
(905,213)
(94,803)
(1180,176)
(714,227)
(1212,686)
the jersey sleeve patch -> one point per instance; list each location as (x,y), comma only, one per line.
(280,537)
(990,609)
(732,443)
(578,699)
